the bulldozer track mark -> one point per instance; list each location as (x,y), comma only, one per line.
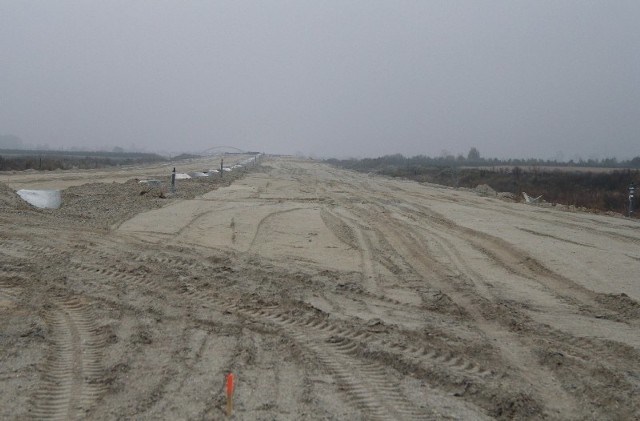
(175,262)
(73,372)
(627,356)
(359,292)
(166,261)
(15,243)
(325,328)
(9,290)
(365,382)
(364,398)
(118,275)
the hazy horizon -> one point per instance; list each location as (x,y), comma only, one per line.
(529,79)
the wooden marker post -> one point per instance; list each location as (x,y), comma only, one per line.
(230,387)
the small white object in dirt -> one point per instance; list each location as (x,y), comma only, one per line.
(182,176)
(531,200)
(214,171)
(226,169)
(51,199)
(199,174)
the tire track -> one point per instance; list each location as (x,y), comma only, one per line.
(363,384)
(155,396)
(72,374)
(580,224)
(367,263)
(626,356)
(9,294)
(605,348)
(412,245)
(32,249)
(336,347)
(126,277)
(361,293)
(264,221)
(9,290)
(565,240)
(522,264)
(366,383)
(324,328)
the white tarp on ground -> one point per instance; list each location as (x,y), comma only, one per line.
(42,198)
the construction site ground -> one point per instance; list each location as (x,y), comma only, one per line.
(329,294)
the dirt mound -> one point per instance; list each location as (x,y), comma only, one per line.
(485,190)
(9,199)
(103,205)
(507,196)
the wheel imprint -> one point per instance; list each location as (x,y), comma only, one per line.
(9,291)
(72,374)
(337,348)
(366,383)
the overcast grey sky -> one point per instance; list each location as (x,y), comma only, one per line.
(330,78)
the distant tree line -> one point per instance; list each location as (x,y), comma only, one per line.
(598,190)
(18,160)
(473,159)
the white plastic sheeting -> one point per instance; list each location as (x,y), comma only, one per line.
(51,199)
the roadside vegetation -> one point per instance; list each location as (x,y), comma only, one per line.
(598,185)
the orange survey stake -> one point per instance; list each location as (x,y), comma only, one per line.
(229,394)
(229,384)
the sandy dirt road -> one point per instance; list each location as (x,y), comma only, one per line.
(329,294)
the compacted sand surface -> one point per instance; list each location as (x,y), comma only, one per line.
(329,294)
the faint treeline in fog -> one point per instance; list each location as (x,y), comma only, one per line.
(19,160)
(577,184)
